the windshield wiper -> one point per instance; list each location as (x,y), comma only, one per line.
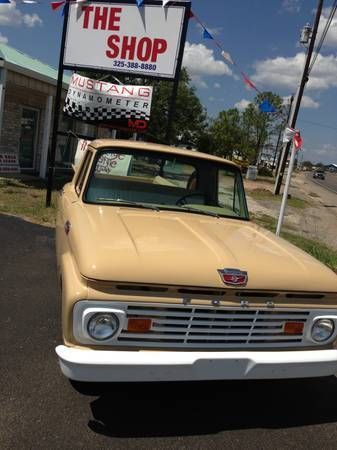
(120,201)
(196,210)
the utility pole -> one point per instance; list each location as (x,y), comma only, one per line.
(298,99)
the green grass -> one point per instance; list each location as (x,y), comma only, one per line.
(265,194)
(26,197)
(315,248)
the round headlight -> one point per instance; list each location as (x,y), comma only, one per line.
(103,326)
(322,330)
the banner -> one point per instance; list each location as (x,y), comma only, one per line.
(9,163)
(122,37)
(120,106)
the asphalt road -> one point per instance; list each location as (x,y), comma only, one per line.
(330,181)
(40,409)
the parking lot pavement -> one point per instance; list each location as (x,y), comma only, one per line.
(40,409)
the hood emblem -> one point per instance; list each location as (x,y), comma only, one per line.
(233,277)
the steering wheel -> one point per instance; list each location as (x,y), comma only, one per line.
(182,200)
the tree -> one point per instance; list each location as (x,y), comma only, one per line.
(307,164)
(190,118)
(259,127)
(245,134)
(226,132)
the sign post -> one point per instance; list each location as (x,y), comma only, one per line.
(118,36)
(295,138)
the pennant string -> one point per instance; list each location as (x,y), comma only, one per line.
(225,55)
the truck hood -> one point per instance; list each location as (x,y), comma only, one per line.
(173,248)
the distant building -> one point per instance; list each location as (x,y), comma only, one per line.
(331,167)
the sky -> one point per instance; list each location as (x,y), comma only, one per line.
(262,37)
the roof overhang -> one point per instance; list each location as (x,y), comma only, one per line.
(30,73)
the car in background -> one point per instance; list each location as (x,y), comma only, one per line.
(164,277)
(319,175)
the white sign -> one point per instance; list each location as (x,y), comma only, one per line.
(98,101)
(114,164)
(82,146)
(124,38)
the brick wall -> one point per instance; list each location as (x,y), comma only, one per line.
(16,98)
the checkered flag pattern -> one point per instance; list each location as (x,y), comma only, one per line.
(101,113)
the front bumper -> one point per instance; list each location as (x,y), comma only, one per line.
(122,366)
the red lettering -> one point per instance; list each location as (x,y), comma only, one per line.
(144,49)
(74,80)
(87,10)
(137,124)
(144,92)
(114,19)
(101,19)
(113,88)
(129,91)
(90,84)
(81,82)
(159,46)
(128,47)
(111,44)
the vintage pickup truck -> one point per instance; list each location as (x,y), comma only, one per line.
(164,277)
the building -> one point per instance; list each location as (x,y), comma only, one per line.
(331,167)
(27,91)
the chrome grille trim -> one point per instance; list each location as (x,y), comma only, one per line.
(199,327)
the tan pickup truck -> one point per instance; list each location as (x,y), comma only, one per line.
(164,277)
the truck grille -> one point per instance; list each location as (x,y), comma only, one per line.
(212,328)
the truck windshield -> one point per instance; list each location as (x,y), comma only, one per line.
(134,178)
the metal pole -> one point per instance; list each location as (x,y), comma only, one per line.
(172,111)
(57,110)
(173,101)
(299,95)
(286,191)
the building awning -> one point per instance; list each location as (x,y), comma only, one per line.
(19,62)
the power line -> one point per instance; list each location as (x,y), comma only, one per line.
(318,124)
(325,32)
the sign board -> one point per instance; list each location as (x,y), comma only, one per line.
(121,37)
(101,102)
(114,164)
(9,163)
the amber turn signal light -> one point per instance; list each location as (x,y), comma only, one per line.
(293,327)
(139,325)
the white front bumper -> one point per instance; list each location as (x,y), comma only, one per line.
(101,365)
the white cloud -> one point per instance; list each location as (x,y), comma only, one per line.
(307,102)
(3,39)
(292,6)
(242,104)
(281,72)
(10,15)
(199,60)
(331,37)
(31,20)
(199,82)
